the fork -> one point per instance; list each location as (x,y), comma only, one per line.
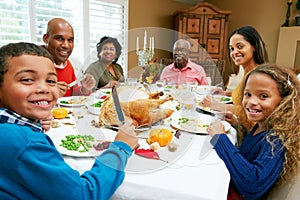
(73,83)
(146,86)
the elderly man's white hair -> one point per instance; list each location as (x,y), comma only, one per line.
(182,41)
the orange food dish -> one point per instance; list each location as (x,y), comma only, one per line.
(162,136)
(59,113)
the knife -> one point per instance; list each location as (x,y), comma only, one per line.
(117,105)
(205,112)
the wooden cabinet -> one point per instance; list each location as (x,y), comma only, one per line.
(206,27)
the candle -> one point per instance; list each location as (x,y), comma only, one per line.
(137,44)
(290,1)
(145,40)
(152,43)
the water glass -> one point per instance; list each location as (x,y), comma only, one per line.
(192,85)
(160,84)
(187,104)
(131,81)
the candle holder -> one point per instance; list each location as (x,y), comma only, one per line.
(144,56)
(288,14)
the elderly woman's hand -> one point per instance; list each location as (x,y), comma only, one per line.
(88,83)
(112,83)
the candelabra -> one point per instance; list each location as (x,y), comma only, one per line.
(288,14)
(144,56)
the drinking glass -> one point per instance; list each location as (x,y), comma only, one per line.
(187,104)
(192,85)
(160,84)
(131,81)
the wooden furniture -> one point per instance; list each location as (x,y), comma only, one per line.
(206,27)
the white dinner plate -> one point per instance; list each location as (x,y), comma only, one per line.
(197,123)
(91,153)
(223,99)
(73,101)
(204,89)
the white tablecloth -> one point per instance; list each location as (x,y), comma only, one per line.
(198,174)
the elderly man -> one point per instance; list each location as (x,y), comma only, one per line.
(183,70)
(59,41)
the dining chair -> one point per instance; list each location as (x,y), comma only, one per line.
(286,191)
(214,69)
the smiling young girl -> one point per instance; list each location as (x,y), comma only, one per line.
(31,167)
(269,153)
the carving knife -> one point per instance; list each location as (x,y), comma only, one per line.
(117,105)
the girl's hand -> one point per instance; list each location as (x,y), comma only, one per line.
(231,118)
(216,128)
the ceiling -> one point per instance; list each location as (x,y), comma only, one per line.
(191,2)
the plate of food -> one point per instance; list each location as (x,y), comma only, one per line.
(80,145)
(72,101)
(102,93)
(223,99)
(204,89)
(196,123)
(94,106)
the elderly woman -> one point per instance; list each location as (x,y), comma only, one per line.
(106,71)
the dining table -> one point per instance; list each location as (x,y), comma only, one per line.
(192,171)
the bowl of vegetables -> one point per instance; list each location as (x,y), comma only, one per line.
(94,106)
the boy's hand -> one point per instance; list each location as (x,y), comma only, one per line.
(127,134)
(46,123)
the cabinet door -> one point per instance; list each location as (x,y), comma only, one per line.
(213,36)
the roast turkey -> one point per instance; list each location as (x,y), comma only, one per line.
(143,111)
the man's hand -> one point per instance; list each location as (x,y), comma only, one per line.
(63,87)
